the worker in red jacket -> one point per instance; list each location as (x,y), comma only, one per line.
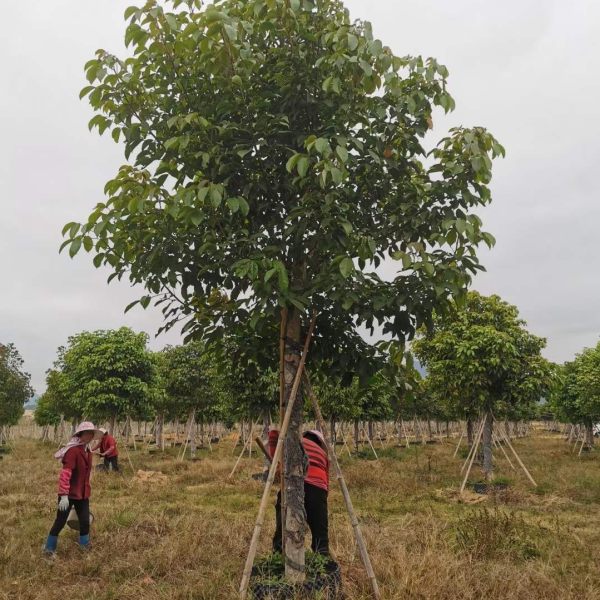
(74,485)
(316,489)
(108,450)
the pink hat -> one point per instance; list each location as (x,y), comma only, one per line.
(317,433)
(88,426)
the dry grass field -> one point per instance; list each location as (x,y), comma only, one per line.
(187,536)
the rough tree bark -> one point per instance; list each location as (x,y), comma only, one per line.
(158,431)
(589,435)
(470,431)
(294,530)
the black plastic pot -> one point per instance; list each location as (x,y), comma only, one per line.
(328,585)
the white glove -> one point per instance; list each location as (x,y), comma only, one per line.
(64,503)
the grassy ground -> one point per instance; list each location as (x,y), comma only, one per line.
(187,538)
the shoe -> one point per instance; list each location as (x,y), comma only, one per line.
(49,555)
(84,543)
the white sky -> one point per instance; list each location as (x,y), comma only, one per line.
(525,69)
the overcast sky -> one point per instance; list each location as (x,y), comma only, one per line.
(528,70)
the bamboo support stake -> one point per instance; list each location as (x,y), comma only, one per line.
(475,446)
(462,435)
(520,462)
(276,457)
(237,462)
(504,452)
(370,444)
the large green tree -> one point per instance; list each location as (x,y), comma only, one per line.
(484,360)
(275,159)
(106,374)
(15,388)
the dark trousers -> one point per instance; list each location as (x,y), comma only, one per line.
(82,508)
(112,462)
(315,503)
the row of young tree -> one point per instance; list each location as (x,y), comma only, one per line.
(15,389)
(479,359)
(575,398)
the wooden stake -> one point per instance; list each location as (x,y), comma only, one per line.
(260,444)
(346,494)
(276,457)
(237,462)
(462,435)
(364,432)
(520,462)
(475,446)
(504,451)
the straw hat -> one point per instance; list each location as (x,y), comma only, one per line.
(89,426)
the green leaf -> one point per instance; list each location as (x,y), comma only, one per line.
(244,206)
(74,247)
(215,196)
(270,274)
(131,305)
(86,90)
(352,42)
(88,244)
(303,166)
(172,21)
(342,153)
(346,267)
(233,204)
(322,146)
(282,276)
(145,301)
(129,11)
(347,227)
(98,260)
(292,162)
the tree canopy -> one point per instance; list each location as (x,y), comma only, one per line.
(106,374)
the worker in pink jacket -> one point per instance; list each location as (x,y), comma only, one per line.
(74,485)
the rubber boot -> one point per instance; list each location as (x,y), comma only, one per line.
(84,542)
(49,548)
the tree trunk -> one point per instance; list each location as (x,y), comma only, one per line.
(589,435)
(192,434)
(158,431)
(429,429)
(294,517)
(370,430)
(488,428)
(112,425)
(470,432)
(356,435)
(127,430)
(332,431)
